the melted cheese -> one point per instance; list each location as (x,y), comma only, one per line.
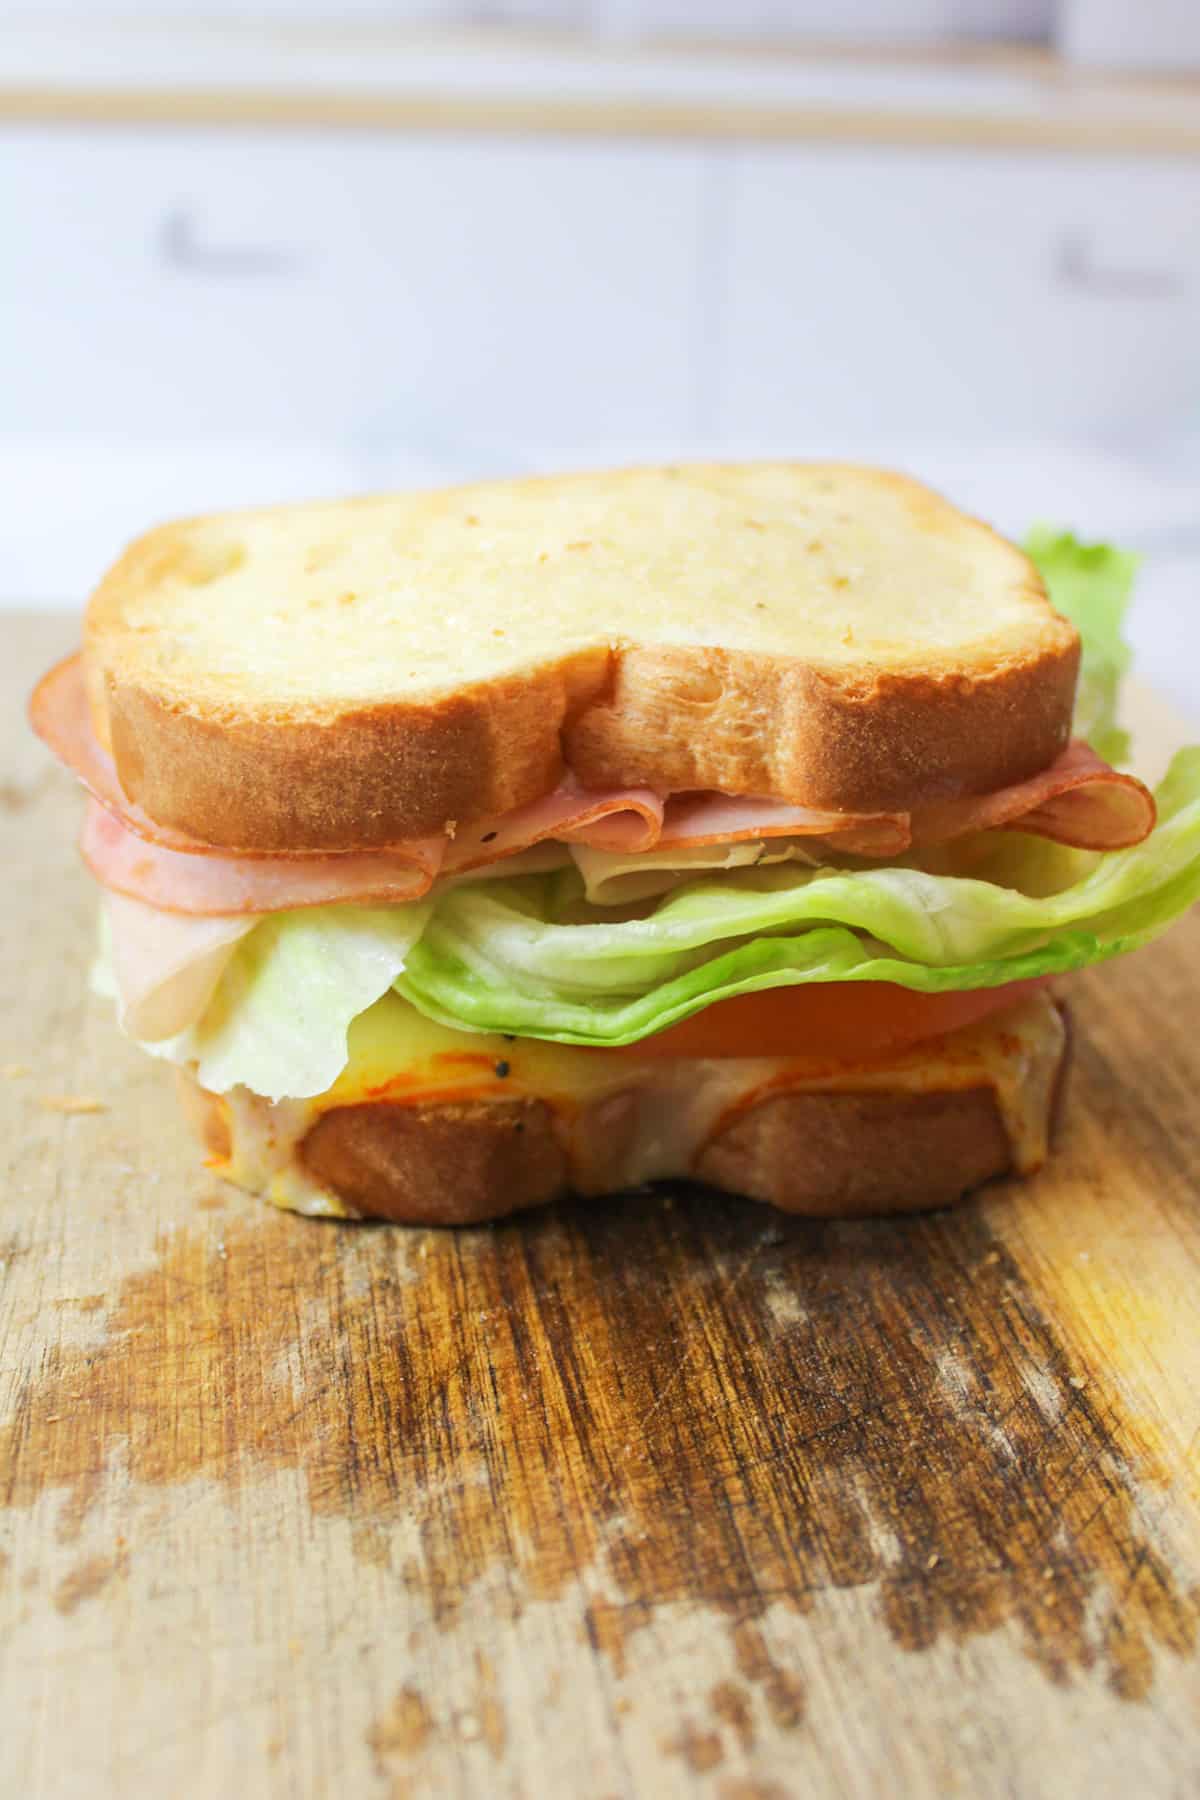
(660,1112)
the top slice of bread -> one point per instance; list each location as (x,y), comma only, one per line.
(348,675)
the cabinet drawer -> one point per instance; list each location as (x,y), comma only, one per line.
(455,294)
(960,294)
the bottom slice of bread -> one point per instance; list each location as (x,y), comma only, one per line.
(900,1135)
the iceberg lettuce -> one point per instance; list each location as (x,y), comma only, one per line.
(279,1019)
(1092,584)
(528,957)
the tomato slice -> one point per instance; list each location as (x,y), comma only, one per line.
(840,1019)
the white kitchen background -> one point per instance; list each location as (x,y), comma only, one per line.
(250,252)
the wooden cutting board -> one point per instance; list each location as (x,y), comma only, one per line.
(665,1495)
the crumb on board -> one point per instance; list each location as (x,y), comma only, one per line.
(70,1103)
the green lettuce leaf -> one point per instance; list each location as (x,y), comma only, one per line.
(527,957)
(1091,584)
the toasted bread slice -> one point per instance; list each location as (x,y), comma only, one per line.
(348,675)
(818,1155)
(900,1137)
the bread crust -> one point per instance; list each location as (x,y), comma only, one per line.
(849,1155)
(679,719)
(812,1154)
(251,770)
(456,1163)
(374,777)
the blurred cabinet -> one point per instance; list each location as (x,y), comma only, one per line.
(461,294)
(473,297)
(961,293)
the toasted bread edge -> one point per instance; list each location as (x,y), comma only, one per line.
(674,720)
(859,738)
(815,1155)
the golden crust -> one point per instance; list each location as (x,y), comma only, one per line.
(840,688)
(872,743)
(457,1163)
(846,1155)
(376,777)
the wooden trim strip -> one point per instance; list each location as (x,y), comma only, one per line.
(1092,133)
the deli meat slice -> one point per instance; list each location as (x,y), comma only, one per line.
(1078,800)
(166,965)
(205,883)
(627,819)
(60,715)
(182,882)
(694,820)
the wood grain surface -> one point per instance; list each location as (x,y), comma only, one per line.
(661,1495)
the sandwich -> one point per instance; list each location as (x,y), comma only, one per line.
(739,824)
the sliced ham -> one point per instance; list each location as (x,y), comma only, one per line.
(1078,800)
(627,819)
(205,883)
(60,715)
(181,882)
(166,965)
(695,820)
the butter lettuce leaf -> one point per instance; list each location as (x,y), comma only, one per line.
(1091,584)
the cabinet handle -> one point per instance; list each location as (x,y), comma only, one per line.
(182,249)
(1076,266)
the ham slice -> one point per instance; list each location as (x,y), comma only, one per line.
(181,882)
(1078,800)
(206,883)
(695,820)
(166,965)
(627,819)
(60,715)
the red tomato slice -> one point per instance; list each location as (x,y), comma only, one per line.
(840,1019)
